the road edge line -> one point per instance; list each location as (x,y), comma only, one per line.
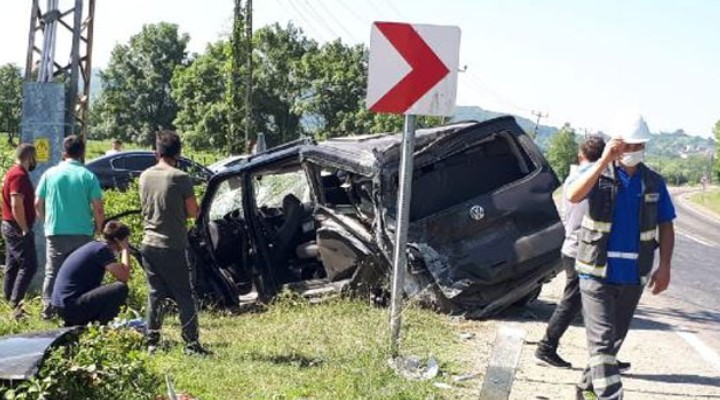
(705,351)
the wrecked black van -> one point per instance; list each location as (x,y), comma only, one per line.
(320,218)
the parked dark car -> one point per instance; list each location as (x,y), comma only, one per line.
(115,171)
(484,231)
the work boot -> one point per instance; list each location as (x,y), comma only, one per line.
(48,312)
(623,367)
(195,349)
(19,313)
(549,356)
(153,342)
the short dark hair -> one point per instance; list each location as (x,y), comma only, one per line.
(167,144)
(115,230)
(74,146)
(116,142)
(24,151)
(592,148)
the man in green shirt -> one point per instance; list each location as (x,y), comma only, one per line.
(69,199)
(168,200)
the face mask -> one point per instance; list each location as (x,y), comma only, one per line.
(32,166)
(632,159)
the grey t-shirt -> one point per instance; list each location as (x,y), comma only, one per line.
(163,191)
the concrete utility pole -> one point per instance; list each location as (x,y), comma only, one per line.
(241,47)
(233,145)
(249,72)
(52,110)
(539,115)
(77,72)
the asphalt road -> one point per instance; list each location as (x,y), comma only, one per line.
(693,299)
(674,342)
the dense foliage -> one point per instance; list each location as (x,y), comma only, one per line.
(136,100)
(104,364)
(10,99)
(562,151)
(300,88)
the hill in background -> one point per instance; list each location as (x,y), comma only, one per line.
(663,144)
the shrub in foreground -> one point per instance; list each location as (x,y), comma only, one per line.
(104,364)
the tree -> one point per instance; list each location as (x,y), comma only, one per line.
(281,84)
(202,92)
(136,100)
(337,93)
(562,151)
(10,99)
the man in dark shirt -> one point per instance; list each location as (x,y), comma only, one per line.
(78,295)
(18,217)
(168,200)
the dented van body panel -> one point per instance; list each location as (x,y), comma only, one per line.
(484,231)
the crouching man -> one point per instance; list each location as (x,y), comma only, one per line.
(79,295)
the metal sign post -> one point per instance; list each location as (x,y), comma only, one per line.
(401,230)
(412,71)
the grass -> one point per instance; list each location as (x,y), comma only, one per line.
(97,148)
(709,199)
(295,350)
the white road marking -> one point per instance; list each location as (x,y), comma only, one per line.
(695,238)
(707,353)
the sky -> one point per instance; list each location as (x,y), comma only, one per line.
(578,61)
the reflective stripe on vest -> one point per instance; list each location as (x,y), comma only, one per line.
(602,359)
(648,236)
(594,270)
(605,382)
(598,226)
(652,197)
(623,255)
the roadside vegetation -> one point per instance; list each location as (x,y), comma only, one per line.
(709,199)
(293,349)
(336,350)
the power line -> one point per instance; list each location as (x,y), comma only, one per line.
(375,7)
(394,9)
(320,20)
(338,23)
(310,25)
(353,12)
(474,79)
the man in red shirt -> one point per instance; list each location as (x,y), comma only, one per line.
(18,217)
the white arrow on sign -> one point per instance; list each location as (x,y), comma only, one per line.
(413,68)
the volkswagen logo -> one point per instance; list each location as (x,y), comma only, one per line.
(477,213)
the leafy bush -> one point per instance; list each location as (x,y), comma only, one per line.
(118,202)
(7,159)
(104,364)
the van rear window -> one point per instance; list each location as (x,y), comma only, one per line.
(463,176)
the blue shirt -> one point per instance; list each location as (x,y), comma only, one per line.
(625,233)
(81,272)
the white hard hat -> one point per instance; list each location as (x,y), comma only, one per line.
(638,132)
